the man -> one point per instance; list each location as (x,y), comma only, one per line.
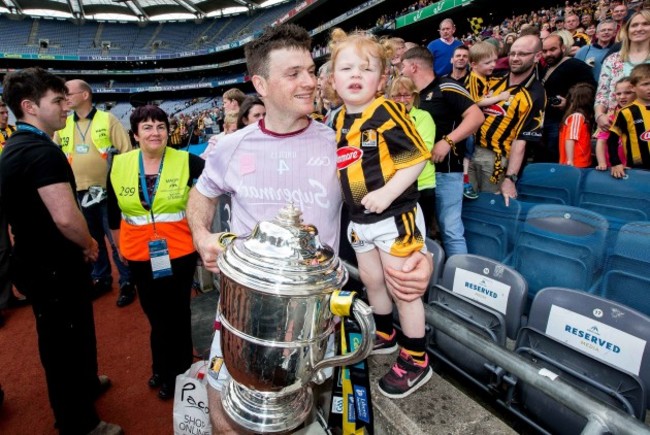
(561,73)
(585,20)
(5,128)
(619,13)
(52,249)
(511,123)
(594,54)
(265,165)
(456,117)
(459,65)
(89,140)
(571,23)
(5,244)
(442,48)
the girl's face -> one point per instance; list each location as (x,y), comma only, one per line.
(256,112)
(357,78)
(624,94)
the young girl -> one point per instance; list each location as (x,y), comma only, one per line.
(380,155)
(624,94)
(575,133)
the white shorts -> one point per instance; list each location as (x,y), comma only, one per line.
(399,235)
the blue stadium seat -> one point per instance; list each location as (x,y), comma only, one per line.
(560,245)
(626,276)
(438,260)
(619,200)
(487,297)
(549,183)
(490,226)
(599,346)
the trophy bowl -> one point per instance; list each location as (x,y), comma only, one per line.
(277,286)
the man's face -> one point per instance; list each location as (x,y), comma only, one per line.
(460,59)
(408,68)
(606,34)
(585,20)
(289,89)
(553,51)
(75,96)
(619,13)
(4,117)
(51,111)
(446,30)
(559,25)
(523,55)
(571,23)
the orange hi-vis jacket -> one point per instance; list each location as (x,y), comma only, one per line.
(138,227)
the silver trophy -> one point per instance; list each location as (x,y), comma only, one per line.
(277,287)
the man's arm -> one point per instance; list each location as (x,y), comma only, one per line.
(200,212)
(472,120)
(517,151)
(59,201)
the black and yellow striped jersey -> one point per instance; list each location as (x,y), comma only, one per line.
(521,117)
(632,125)
(477,86)
(4,135)
(372,147)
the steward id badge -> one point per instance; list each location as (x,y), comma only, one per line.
(161,265)
(82,149)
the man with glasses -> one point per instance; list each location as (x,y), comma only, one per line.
(442,49)
(88,140)
(511,123)
(594,53)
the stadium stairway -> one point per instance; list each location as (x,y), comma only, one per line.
(436,408)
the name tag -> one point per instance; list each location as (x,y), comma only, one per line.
(161,265)
(82,149)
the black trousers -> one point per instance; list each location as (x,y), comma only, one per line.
(65,324)
(166,302)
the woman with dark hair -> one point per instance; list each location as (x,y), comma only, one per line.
(251,110)
(148,190)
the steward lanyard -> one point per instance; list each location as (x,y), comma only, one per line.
(145,191)
(85,133)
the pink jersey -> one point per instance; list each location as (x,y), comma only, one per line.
(263,171)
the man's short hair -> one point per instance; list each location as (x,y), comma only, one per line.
(461,48)
(147,113)
(234,94)
(420,54)
(604,22)
(259,50)
(481,51)
(29,84)
(640,73)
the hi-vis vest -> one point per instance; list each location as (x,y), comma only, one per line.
(137,228)
(99,133)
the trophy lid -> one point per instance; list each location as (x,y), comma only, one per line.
(283,256)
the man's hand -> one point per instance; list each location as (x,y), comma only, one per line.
(508,190)
(91,252)
(412,281)
(618,171)
(562,104)
(209,250)
(440,151)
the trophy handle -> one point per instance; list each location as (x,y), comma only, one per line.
(341,303)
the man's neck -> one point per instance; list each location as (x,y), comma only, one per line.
(448,40)
(83,111)
(280,125)
(36,123)
(515,79)
(424,82)
(458,74)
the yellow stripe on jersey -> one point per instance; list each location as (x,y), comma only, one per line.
(477,86)
(632,124)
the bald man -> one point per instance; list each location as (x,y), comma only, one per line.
(88,139)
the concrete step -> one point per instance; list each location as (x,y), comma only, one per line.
(436,408)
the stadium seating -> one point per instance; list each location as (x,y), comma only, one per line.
(560,245)
(619,200)
(489,298)
(626,276)
(438,260)
(491,227)
(596,345)
(549,183)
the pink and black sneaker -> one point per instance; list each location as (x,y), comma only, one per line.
(405,376)
(385,344)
